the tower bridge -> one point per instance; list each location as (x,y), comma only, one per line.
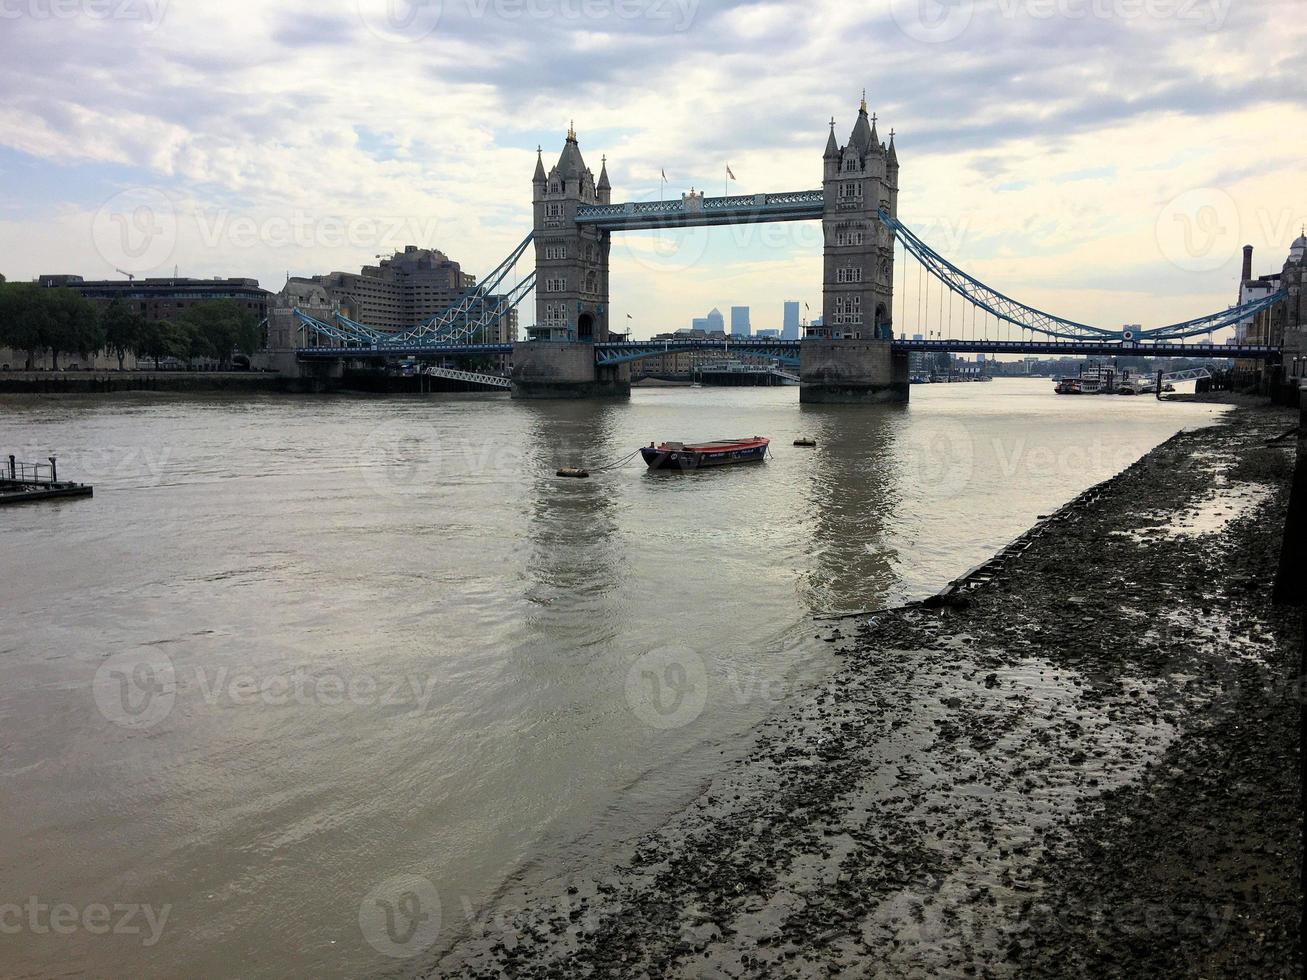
(855,354)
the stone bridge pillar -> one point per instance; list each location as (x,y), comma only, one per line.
(572,311)
(848,357)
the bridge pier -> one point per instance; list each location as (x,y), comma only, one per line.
(562,370)
(852,372)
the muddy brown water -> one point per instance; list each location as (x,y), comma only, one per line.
(296,648)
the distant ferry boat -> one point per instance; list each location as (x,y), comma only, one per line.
(680,456)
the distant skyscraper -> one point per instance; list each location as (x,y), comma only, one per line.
(740,326)
(716,321)
(790,331)
(701,323)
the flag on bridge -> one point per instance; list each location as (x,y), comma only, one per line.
(729,174)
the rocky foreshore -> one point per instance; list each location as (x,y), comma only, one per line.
(1082,760)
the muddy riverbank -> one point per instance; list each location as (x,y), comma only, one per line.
(1084,763)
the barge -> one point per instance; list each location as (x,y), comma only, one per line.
(697,456)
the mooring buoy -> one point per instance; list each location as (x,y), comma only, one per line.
(572,473)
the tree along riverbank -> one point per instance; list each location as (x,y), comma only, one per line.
(1085,762)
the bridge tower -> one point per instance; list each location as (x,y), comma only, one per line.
(572,310)
(848,358)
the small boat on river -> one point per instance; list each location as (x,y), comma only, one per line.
(696,456)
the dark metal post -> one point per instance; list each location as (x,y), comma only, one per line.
(13,469)
(1158,392)
(54,477)
(1290,582)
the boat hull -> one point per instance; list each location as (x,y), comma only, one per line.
(687,459)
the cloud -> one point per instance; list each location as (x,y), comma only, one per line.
(1041,148)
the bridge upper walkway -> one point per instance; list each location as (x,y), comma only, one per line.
(693,212)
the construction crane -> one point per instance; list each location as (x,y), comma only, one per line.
(131,276)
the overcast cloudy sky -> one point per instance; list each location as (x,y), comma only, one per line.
(1103,159)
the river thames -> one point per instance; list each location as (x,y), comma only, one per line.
(295,648)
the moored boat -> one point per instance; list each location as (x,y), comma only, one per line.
(695,456)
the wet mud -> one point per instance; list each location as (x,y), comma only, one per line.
(1079,760)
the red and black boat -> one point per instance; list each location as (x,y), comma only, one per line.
(696,456)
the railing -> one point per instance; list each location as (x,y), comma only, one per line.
(652,207)
(31,473)
(473,377)
(796,204)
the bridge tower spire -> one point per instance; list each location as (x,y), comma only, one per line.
(859,179)
(851,359)
(571,286)
(571,260)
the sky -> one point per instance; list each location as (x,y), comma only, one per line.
(1104,160)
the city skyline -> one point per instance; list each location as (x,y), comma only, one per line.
(1089,203)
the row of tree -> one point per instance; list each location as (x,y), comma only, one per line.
(36,320)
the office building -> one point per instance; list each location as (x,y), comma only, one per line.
(790,329)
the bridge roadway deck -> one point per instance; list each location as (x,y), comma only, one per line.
(617,353)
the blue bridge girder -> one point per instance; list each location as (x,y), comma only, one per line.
(704,211)
(1037,321)
(388,352)
(1252,352)
(606,355)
